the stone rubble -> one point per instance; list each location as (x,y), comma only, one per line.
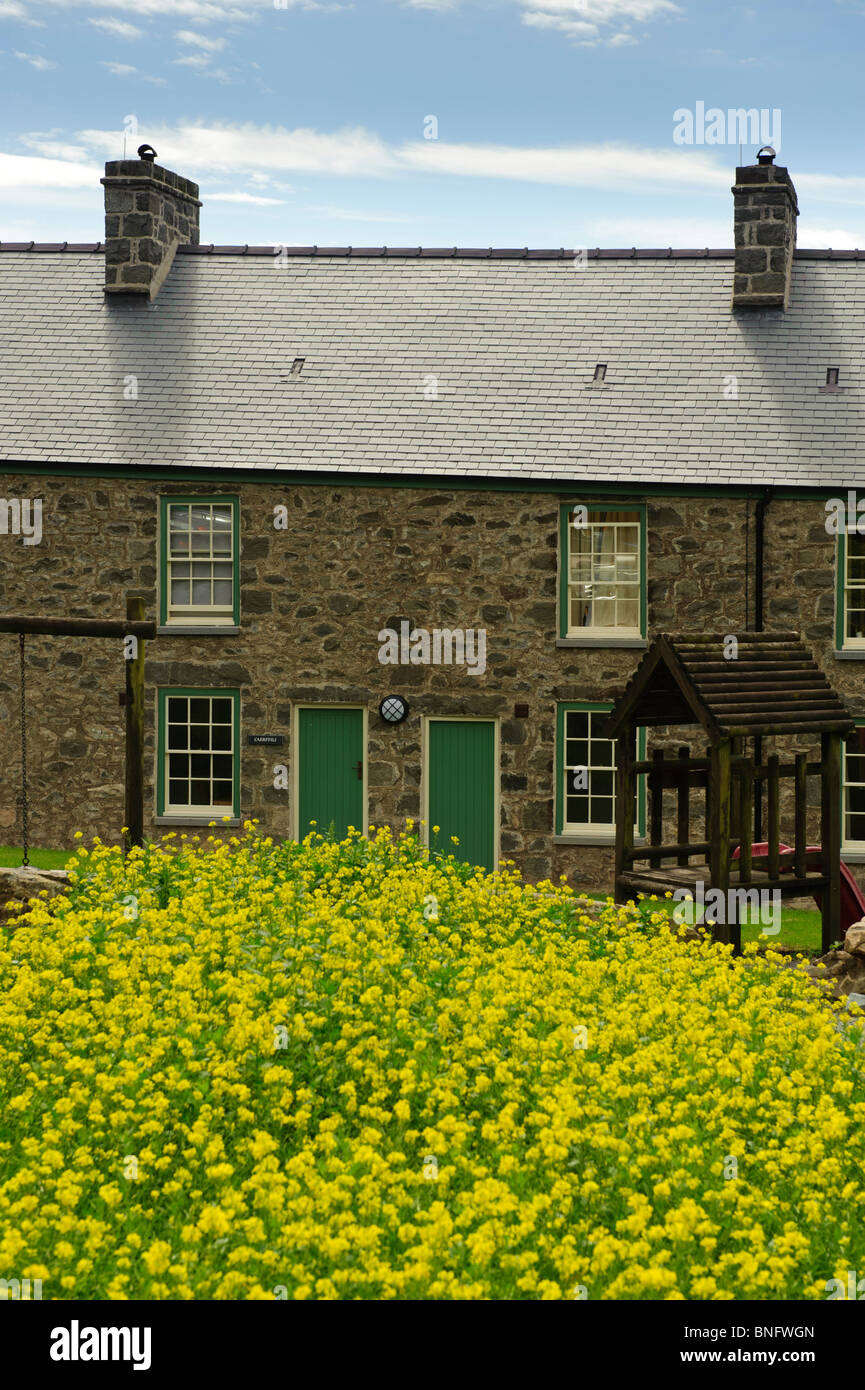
(17,885)
(843,969)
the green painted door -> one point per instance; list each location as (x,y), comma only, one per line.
(330,756)
(462,788)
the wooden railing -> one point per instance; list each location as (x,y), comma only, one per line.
(684,772)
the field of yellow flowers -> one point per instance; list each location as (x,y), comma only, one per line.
(319,1071)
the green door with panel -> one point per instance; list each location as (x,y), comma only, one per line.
(461,771)
(330,780)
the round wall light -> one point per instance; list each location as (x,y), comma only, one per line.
(393,709)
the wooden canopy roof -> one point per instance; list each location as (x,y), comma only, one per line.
(773,686)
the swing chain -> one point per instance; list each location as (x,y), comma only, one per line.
(24,807)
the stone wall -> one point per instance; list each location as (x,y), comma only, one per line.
(313,599)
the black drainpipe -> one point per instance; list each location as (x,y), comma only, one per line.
(759,547)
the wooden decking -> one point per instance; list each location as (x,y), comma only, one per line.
(667,879)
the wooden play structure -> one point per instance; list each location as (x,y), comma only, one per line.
(771,687)
(134,625)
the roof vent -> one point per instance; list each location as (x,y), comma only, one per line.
(832,376)
(600,372)
(297,366)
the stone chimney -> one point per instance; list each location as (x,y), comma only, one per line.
(149,212)
(764,225)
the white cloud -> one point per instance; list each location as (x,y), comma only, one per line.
(53,149)
(126,70)
(261,156)
(657,231)
(13,9)
(35,60)
(245,198)
(262,152)
(584,21)
(594,166)
(575,29)
(828,238)
(118,27)
(607,11)
(201,11)
(831,188)
(200,63)
(200,40)
(248,148)
(350,215)
(21,171)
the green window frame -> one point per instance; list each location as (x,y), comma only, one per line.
(564,766)
(222,739)
(853,788)
(178,565)
(849,566)
(617,569)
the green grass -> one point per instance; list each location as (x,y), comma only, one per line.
(800,927)
(11,856)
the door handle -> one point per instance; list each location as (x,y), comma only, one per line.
(358,767)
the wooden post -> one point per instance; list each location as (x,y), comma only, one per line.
(830,818)
(734,924)
(625,791)
(800,839)
(773,817)
(683,808)
(134,818)
(719,838)
(656,787)
(746,818)
(736,797)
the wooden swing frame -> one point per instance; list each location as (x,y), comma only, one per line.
(134,625)
(772,687)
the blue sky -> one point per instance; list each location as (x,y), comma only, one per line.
(306,122)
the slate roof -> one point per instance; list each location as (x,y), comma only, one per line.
(772,686)
(508,338)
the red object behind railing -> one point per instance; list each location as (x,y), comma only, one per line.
(852,901)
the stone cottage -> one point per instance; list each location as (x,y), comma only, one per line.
(407,518)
